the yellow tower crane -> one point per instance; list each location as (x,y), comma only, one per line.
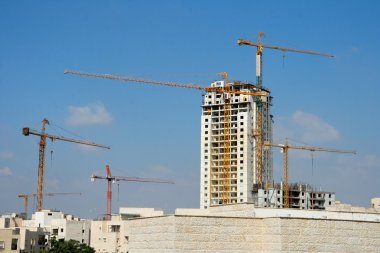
(226,90)
(50,194)
(258,132)
(285,148)
(41,161)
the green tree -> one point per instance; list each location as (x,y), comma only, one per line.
(70,246)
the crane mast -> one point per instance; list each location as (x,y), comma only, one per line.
(41,158)
(285,149)
(111,179)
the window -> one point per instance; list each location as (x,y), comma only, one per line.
(241,180)
(206,138)
(206,132)
(241,174)
(278,199)
(241,129)
(241,117)
(206,157)
(241,194)
(14,244)
(82,231)
(241,123)
(206,120)
(2,245)
(241,155)
(241,200)
(241,136)
(55,231)
(205,194)
(50,214)
(114,228)
(61,229)
(241,168)
(241,142)
(241,149)
(205,188)
(205,175)
(206,126)
(241,161)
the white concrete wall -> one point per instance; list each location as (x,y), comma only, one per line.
(237,235)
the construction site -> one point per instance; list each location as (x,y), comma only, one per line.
(241,207)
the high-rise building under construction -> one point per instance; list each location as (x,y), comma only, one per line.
(228,175)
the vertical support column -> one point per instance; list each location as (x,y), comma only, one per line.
(41,166)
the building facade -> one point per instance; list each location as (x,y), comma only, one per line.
(240,151)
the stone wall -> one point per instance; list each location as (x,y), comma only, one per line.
(174,234)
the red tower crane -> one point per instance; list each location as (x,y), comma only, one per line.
(111,179)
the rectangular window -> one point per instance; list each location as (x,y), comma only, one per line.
(241,117)
(206,120)
(241,129)
(14,244)
(241,155)
(241,194)
(206,126)
(241,136)
(61,229)
(206,132)
(241,123)
(2,245)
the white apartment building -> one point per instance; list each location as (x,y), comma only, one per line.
(241,151)
(61,226)
(16,238)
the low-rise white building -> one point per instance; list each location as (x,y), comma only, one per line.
(112,235)
(16,238)
(61,226)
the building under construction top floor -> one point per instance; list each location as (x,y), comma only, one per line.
(301,196)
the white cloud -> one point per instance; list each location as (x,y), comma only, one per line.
(314,129)
(5,171)
(92,114)
(6,155)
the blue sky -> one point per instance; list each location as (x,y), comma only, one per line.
(155,131)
